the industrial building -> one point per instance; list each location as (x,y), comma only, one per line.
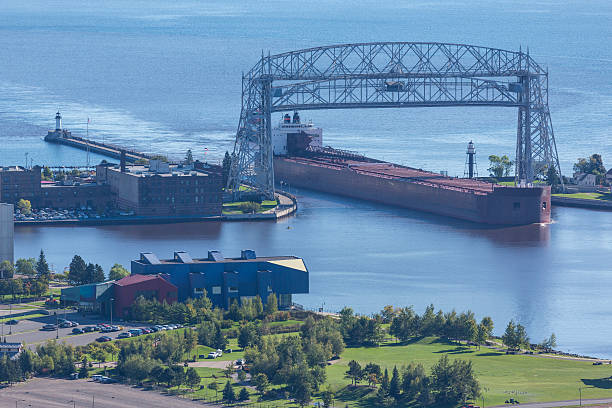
(88,297)
(7,231)
(162,189)
(227,279)
(11,350)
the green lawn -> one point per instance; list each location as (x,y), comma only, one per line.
(534,378)
(23,317)
(232,208)
(587,196)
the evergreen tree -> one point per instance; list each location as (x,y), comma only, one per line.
(355,372)
(98,275)
(77,270)
(42,268)
(227,164)
(244,394)
(384,384)
(220,341)
(394,384)
(228,392)
(83,373)
(192,378)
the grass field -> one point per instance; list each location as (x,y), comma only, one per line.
(526,378)
(232,208)
(586,196)
(28,316)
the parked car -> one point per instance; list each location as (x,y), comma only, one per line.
(219,352)
(76,330)
(146,331)
(49,327)
(74,324)
(115,328)
(65,325)
(135,332)
(240,361)
(153,329)
(107,380)
(103,339)
(212,354)
(89,329)
(124,335)
(96,377)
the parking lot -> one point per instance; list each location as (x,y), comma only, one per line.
(48,392)
(28,331)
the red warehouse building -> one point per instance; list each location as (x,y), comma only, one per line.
(128,289)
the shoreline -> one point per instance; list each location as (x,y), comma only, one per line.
(287,207)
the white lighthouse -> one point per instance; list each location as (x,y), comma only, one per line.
(58,121)
(58,132)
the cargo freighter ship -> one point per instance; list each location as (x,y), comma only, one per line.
(301,161)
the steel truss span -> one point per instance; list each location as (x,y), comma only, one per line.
(391,75)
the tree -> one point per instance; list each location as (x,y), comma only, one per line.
(189,157)
(394,384)
(214,386)
(83,373)
(76,271)
(25,207)
(549,343)
(248,335)
(592,165)
(118,272)
(261,382)
(244,395)
(6,270)
(228,392)
(355,373)
(25,266)
(271,304)
(500,166)
(328,398)
(47,174)
(481,335)
(227,164)
(192,378)
(228,370)
(94,273)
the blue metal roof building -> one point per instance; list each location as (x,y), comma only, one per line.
(226,279)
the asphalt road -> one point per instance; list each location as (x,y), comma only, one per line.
(46,392)
(28,331)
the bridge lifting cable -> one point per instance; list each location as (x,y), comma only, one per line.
(391,75)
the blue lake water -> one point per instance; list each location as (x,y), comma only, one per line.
(165,76)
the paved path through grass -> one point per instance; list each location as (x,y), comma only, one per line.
(556,404)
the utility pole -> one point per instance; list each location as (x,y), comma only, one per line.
(10,313)
(111,311)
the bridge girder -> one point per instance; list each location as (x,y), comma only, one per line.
(391,74)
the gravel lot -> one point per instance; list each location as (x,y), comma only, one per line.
(45,392)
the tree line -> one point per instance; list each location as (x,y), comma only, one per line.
(35,280)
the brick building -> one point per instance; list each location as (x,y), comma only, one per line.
(160,189)
(17,182)
(128,289)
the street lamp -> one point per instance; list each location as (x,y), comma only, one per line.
(56,326)
(580,391)
(10,313)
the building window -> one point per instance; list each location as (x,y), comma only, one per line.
(216,290)
(198,291)
(543,205)
(232,289)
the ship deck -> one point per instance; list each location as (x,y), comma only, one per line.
(402,173)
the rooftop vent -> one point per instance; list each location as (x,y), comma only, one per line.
(215,256)
(149,258)
(183,257)
(247,254)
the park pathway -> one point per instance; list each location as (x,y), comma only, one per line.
(607,402)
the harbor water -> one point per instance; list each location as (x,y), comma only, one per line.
(165,77)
